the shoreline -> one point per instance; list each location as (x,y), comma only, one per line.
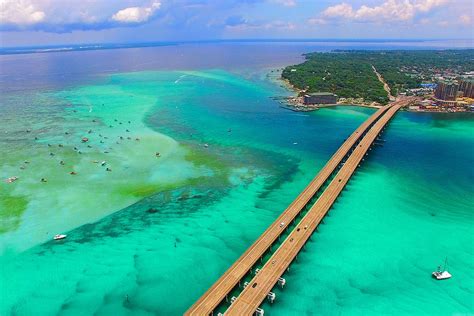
(306,108)
(295,103)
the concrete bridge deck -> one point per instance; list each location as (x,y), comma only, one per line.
(257,290)
(229,280)
(217,293)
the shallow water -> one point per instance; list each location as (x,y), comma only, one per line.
(187,215)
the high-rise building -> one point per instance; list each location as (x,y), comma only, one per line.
(446,91)
(467,88)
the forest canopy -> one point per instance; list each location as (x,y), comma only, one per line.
(349,74)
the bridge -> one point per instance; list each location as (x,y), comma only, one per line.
(335,174)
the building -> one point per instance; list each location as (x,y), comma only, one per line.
(446,91)
(447,103)
(467,88)
(320,98)
(428,85)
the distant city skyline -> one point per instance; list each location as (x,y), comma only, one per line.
(51,22)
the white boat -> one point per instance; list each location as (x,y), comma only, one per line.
(11,179)
(59,236)
(442,274)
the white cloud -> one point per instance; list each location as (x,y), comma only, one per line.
(20,12)
(275,25)
(317,21)
(443,23)
(286,3)
(67,15)
(389,10)
(136,14)
(342,10)
(465,19)
(280,25)
(427,5)
(425,21)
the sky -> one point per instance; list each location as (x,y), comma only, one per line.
(56,22)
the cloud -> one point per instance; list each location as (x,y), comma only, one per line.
(59,16)
(427,5)
(465,19)
(424,21)
(20,12)
(286,3)
(136,14)
(237,23)
(66,16)
(443,23)
(389,10)
(235,20)
(317,21)
(200,19)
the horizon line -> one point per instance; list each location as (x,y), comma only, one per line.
(9,50)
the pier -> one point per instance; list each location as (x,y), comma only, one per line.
(335,174)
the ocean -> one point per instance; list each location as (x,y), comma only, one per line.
(189,158)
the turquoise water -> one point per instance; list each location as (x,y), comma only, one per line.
(185,216)
(409,206)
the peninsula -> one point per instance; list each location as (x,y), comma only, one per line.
(443,80)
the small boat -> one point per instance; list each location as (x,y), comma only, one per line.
(59,236)
(11,179)
(206,145)
(442,274)
(103,163)
(85,139)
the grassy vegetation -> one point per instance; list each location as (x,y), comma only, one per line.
(11,210)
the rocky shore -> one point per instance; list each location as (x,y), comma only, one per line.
(296,103)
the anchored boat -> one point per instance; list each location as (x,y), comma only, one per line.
(442,274)
(11,179)
(59,236)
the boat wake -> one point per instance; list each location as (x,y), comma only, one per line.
(179,79)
